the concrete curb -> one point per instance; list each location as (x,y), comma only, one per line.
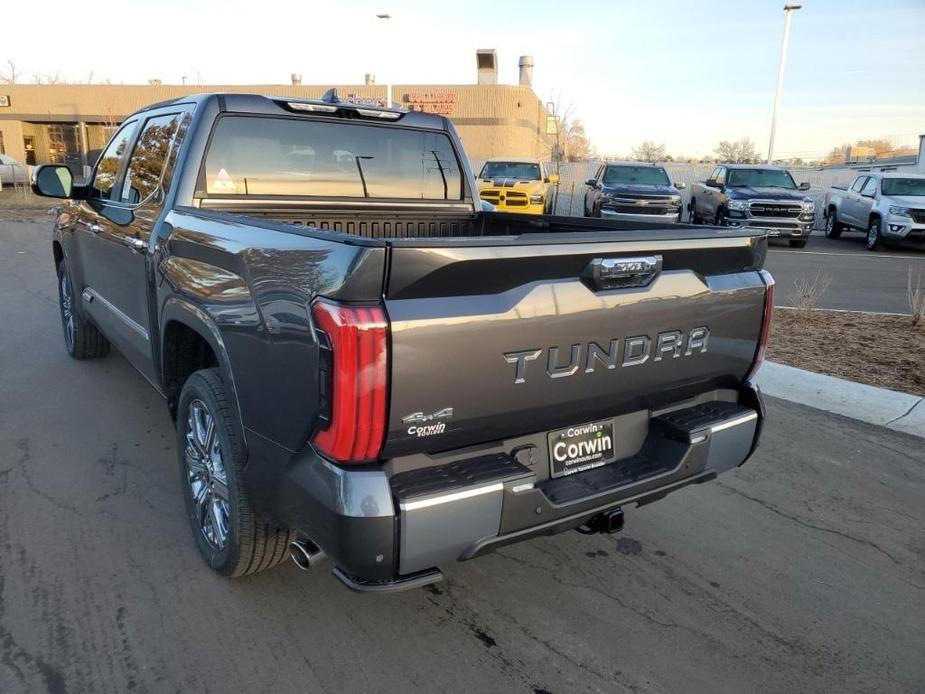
(888,408)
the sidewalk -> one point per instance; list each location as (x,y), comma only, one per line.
(888,408)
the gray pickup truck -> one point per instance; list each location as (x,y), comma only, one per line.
(754,197)
(362,364)
(888,207)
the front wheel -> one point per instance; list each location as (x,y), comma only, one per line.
(833,228)
(232,538)
(873,235)
(720,219)
(693,218)
(82,339)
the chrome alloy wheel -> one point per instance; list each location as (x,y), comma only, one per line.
(67,312)
(206,475)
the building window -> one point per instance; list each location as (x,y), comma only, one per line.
(2,148)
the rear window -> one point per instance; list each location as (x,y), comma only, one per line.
(278,156)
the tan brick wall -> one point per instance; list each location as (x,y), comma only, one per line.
(493,120)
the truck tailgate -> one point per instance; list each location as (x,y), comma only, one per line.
(495,338)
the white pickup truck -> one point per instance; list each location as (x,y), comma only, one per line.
(889,206)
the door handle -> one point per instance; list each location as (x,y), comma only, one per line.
(92,226)
(135,244)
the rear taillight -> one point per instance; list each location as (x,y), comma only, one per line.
(765,323)
(354,387)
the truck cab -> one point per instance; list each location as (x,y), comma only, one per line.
(518,185)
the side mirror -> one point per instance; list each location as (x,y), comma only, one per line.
(711,183)
(804,185)
(591,182)
(680,186)
(53,181)
(552,178)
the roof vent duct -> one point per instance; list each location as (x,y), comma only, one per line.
(526,70)
(487,63)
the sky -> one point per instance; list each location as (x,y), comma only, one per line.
(680,73)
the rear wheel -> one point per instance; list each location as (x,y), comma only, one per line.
(233,538)
(81,339)
(833,228)
(874,240)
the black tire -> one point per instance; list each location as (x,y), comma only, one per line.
(82,339)
(833,228)
(798,243)
(718,221)
(251,542)
(874,241)
(693,219)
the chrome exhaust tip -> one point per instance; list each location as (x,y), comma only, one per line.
(305,554)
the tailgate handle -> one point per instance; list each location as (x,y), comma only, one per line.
(622,273)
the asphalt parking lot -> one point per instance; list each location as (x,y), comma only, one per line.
(861,280)
(802,571)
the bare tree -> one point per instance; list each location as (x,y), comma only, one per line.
(737,152)
(576,144)
(11,75)
(649,151)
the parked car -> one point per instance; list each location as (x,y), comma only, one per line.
(755,197)
(362,364)
(13,172)
(889,207)
(633,192)
(518,185)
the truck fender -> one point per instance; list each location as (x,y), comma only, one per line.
(194,317)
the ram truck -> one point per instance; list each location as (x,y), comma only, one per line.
(887,207)
(363,365)
(754,197)
(518,185)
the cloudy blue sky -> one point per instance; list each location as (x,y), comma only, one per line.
(683,73)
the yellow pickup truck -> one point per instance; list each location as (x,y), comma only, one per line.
(518,185)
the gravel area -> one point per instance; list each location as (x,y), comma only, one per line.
(879,350)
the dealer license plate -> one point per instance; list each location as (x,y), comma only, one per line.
(580,447)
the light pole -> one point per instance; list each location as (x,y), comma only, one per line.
(388,75)
(788,9)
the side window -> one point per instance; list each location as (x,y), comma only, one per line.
(714,175)
(721,176)
(107,168)
(149,157)
(870,188)
(858,183)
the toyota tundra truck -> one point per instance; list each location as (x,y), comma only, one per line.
(887,207)
(364,366)
(754,197)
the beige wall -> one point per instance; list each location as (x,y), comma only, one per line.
(493,120)
(12,139)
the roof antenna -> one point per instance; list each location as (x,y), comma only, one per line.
(330,96)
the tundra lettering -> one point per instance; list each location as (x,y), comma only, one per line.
(636,351)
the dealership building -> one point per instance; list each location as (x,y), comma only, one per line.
(70,123)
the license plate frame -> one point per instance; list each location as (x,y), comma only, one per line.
(586,454)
